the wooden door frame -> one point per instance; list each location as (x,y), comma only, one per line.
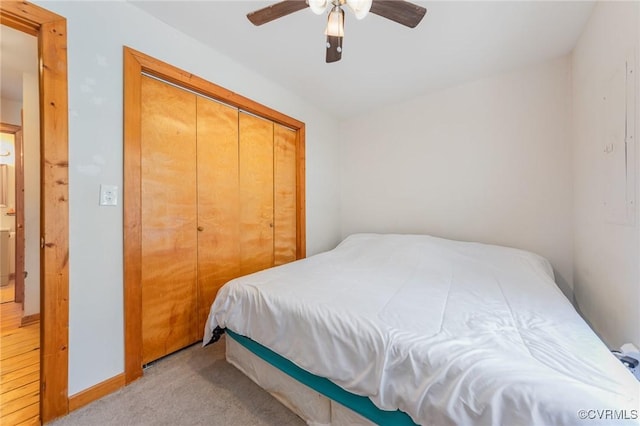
(135,64)
(18,278)
(51,31)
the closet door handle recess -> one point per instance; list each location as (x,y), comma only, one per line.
(200,228)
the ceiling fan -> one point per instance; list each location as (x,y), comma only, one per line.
(400,11)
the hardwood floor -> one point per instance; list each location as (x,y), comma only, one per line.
(19,368)
(8,292)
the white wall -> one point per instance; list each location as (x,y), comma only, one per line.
(484,161)
(31,153)
(10,111)
(96,33)
(607,255)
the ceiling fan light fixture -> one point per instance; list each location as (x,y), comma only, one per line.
(335,23)
(318,6)
(360,7)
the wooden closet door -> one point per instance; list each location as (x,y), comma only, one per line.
(285,193)
(218,201)
(256,193)
(168,214)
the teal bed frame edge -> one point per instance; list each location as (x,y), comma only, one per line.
(360,404)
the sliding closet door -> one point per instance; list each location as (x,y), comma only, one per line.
(256,193)
(285,193)
(218,200)
(168,216)
(210,194)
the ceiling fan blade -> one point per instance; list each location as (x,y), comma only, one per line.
(400,11)
(334,48)
(275,11)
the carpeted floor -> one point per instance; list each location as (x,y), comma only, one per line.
(195,386)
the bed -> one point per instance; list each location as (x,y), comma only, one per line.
(436,331)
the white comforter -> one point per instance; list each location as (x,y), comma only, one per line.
(449,332)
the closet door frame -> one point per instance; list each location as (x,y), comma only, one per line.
(135,65)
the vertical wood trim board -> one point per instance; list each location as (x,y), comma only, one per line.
(51,30)
(19,220)
(131,219)
(301,201)
(135,65)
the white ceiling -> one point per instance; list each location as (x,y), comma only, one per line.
(19,54)
(382,62)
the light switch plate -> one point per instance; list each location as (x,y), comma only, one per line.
(108,195)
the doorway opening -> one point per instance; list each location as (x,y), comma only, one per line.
(53,228)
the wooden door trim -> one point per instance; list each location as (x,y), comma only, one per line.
(16,131)
(9,128)
(135,64)
(184,79)
(51,31)
(301,224)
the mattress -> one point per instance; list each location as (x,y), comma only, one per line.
(449,332)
